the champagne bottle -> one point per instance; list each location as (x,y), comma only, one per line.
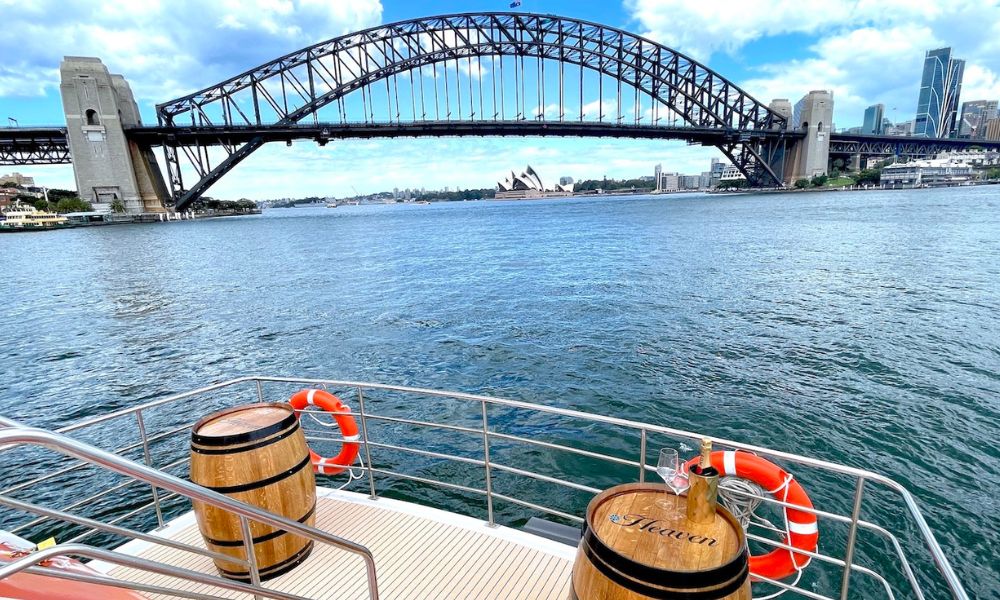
(703,495)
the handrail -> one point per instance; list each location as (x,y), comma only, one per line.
(937,554)
(642,429)
(16,434)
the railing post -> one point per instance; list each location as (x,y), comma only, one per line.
(486,462)
(852,533)
(368,450)
(149,463)
(251,557)
(260,391)
(642,455)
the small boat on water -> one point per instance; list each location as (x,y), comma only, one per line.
(24,217)
(291,488)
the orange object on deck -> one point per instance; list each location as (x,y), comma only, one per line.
(29,586)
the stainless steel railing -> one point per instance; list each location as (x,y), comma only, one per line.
(366,395)
(14,433)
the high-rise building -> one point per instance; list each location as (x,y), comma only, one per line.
(873,119)
(975,114)
(991,131)
(657,170)
(940,87)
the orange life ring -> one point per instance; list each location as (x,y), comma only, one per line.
(348,428)
(803,532)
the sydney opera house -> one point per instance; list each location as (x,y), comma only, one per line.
(528,185)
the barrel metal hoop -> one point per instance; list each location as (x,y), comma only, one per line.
(241,438)
(238,449)
(669,578)
(253,485)
(279,568)
(261,538)
(662,594)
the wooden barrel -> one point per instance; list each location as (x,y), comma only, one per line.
(255,454)
(634,549)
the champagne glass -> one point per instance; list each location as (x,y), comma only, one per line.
(670,469)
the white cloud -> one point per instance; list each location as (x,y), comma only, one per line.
(867,52)
(164,49)
(702,28)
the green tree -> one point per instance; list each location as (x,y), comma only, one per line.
(72,204)
(117,206)
(732,184)
(819,180)
(9,184)
(869,176)
(56,194)
(802,183)
(993,173)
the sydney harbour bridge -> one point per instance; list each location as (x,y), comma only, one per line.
(483,74)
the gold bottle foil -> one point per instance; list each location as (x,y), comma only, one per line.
(703,495)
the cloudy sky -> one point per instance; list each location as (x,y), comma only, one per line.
(866,51)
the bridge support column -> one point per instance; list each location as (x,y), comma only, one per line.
(811,155)
(107,166)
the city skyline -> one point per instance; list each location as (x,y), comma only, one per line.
(785,53)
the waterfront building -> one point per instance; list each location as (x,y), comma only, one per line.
(689,182)
(715,172)
(18,179)
(902,129)
(528,185)
(657,171)
(565,180)
(991,132)
(873,119)
(940,87)
(731,173)
(856,130)
(975,158)
(8,195)
(975,114)
(669,182)
(926,173)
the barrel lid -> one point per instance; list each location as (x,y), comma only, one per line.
(243,422)
(630,521)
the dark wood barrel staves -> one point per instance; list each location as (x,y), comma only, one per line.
(634,549)
(255,454)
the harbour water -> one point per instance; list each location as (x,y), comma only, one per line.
(860,327)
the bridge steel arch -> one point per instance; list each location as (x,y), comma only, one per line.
(295,86)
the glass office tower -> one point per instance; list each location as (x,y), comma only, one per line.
(940,87)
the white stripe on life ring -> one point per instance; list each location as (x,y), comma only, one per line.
(352,438)
(729,462)
(309,397)
(322,465)
(803,528)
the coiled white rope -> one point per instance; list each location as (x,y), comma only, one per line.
(741,497)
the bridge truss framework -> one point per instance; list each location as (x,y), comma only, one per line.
(284,92)
(34,146)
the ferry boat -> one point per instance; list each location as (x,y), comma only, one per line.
(24,217)
(434,494)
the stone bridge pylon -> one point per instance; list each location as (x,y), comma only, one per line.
(110,169)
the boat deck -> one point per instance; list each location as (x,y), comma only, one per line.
(419,552)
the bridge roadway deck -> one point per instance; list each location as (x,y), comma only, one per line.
(232,135)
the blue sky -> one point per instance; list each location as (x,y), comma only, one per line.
(866,51)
